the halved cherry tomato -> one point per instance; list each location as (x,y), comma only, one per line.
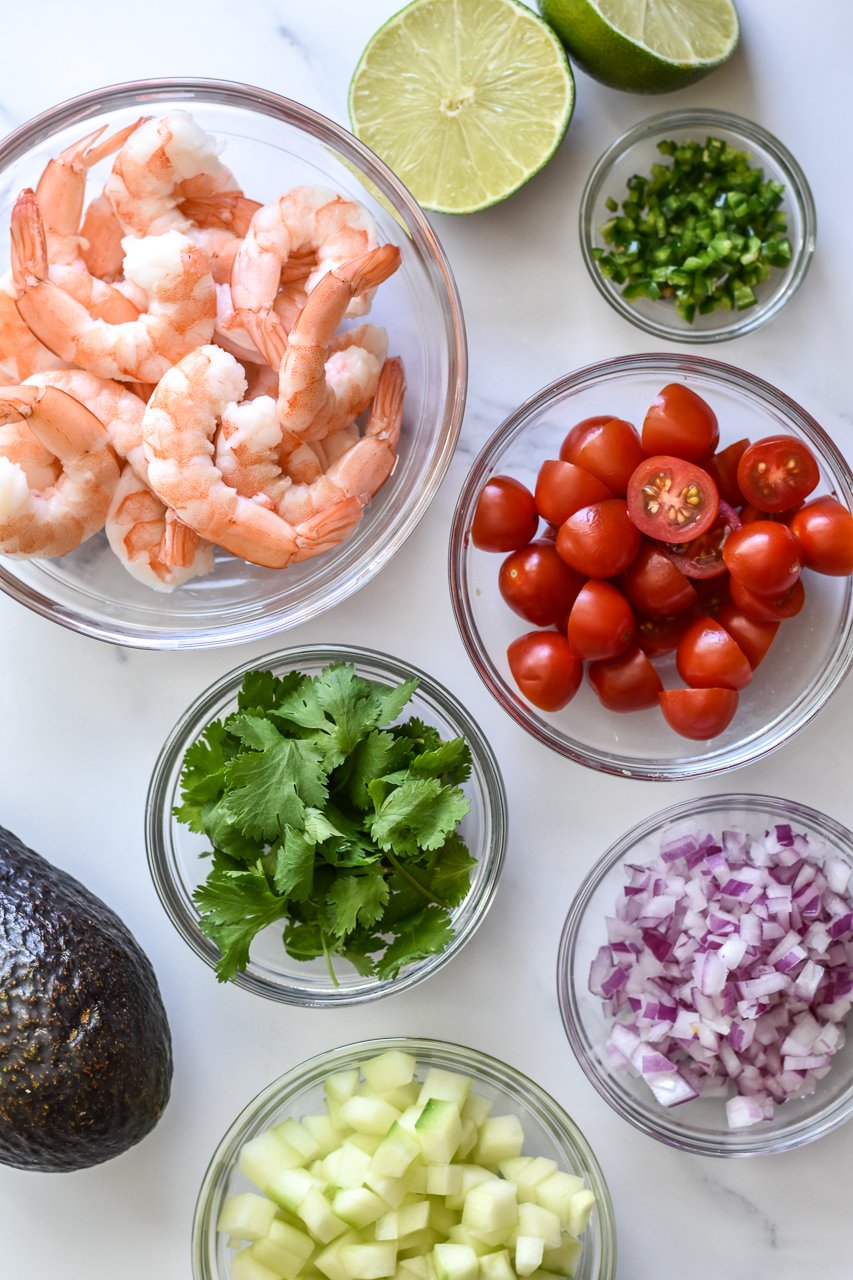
(698,713)
(601,623)
(703,556)
(656,636)
(713,593)
(672,500)
(628,682)
(655,586)
(608,447)
(777,472)
(681,424)
(563,488)
(722,468)
(776,608)
(754,637)
(824,530)
(537,584)
(764,557)
(707,657)
(505,517)
(599,541)
(545,669)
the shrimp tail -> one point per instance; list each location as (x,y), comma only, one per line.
(179,543)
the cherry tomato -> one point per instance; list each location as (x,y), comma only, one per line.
(722,468)
(672,500)
(656,636)
(537,584)
(601,623)
(824,530)
(608,447)
(698,713)
(777,472)
(773,608)
(655,586)
(681,424)
(599,541)
(763,556)
(628,682)
(563,488)
(713,593)
(749,514)
(707,657)
(703,556)
(754,637)
(505,517)
(545,669)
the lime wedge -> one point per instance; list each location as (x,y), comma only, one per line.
(650,47)
(464,100)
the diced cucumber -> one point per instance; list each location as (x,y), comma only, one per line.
(455,1262)
(318,1216)
(461,1235)
(441,1219)
(341,1085)
(403,1221)
(439,1130)
(405,1095)
(284,1250)
(476,1108)
(533,1220)
(290,1188)
(358,1207)
(397,1150)
(346,1166)
(580,1209)
(392,1190)
(491,1206)
(528,1254)
(368,1115)
(556,1193)
(389,1070)
(245,1266)
(496,1266)
(446,1086)
(472,1176)
(299,1138)
(367,1141)
(468,1141)
(443,1179)
(266,1156)
(369,1261)
(409,1117)
(417,1178)
(246,1216)
(417,1267)
(417,1243)
(329,1262)
(500,1138)
(563,1261)
(323,1132)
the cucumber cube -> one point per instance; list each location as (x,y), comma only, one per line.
(500,1138)
(410,1116)
(341,1085)
(292,1239)
(402,1222)
(496,1266)
(472,1176)
(448,1086)
(291,1187)
(563,1261)
(323,1132)
(439,1130)
(246,1216)
(265,1157)
(405,1095)
(346,1166)
(476,1108)
(275,1251)
(369,1261)
(367,1141)
(441,1219)
(455,1262)
(528,1254)
(580,1210)
(533,1220)
(443,1179)
(491,1206)
(358,1206)
(392,1190)
(245,1266)
(461,1235)
(556,1193)
(316,1212)
(397,1150)
(299,1138)
(468,1141)
(329,1263)
(417,1178)
(413,1268)
(389,1070)
(368,1115)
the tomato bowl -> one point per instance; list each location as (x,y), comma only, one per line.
(810,656)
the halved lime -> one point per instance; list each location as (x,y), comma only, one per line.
(464,100)
(649,47)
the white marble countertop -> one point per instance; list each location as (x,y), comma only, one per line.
(82,722)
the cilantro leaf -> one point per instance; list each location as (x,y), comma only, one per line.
(356,899)
(261,691)
(294,866)
(424,934)
(371,758)
(419,814)
(255,732)
(268,790)
(393,700)
(451,761)
(203,774)
(304,941)
(234,907)
(450,870)
(225,834)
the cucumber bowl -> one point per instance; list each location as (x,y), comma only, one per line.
(403,1158)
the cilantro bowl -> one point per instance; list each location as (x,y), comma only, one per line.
(369,921)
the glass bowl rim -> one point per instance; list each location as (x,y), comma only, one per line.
(797,186)
(730,1142)
(496,1071)
(197,713)
(508,431)
(413,224)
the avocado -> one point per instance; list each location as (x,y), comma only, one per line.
(85,1049)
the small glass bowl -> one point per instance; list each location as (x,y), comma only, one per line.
(175,853)
(272,144)
(698,1126)
(811,655)
(548,1131)
(634,153)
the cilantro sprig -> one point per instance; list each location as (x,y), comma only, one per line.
(330,817)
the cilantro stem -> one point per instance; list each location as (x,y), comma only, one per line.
(407,875)
(327,953)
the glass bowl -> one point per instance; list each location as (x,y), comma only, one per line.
(698,1126)
(634,153)
(271,144)
(177,867)
(548,1131)
(809,659)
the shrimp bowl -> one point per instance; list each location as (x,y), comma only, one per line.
(232,364)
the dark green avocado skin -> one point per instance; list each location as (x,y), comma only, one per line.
(85,1050)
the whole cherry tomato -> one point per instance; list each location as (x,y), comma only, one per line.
(698,713)
(505,517)
(672,500)
(608,447)
(708,658)
(773,608)
(680,423)
(655,586)
(628,682)
(824,530)
(722,468)
(763,556)
(599,541)
(754,637)
(777,472)
(545,669)
(601,623)
(537,584)
(563,488)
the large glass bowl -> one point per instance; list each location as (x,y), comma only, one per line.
(175,852)
(811,654)
(548,1131)
(271,144)
(634,153)
(698,1126)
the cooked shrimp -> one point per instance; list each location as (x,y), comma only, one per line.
(303,221)
(178,428)
(20,446)
(54,520)
(101,234)
(173,274)
(152,545)
(21,353)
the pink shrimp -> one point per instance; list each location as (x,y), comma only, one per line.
(152,545)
